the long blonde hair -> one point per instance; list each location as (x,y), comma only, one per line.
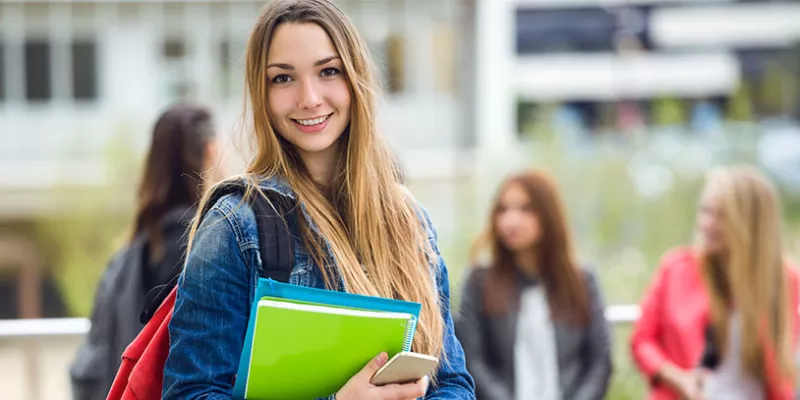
(370,223)
(754,277)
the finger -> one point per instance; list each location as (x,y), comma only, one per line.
(403,391)
(424,381)
(373,366)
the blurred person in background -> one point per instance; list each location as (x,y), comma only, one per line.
(532,324)
(733,287)
(181,161)
(753,325)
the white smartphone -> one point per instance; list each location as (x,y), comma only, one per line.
(405,367)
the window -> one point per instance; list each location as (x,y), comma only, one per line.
(231,70)
(567,30)
(84,70)
(390,60)
(773,79)
(444,59)
(37,71)
(176,77)
(2,72)
(395,64)
(174,49)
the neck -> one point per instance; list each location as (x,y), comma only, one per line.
(528,262)
(322,165)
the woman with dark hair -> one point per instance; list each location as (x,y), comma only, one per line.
(181,152)
(532,323)
(182,155)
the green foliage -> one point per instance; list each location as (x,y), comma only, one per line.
(668,111)
(772,94)
(79,246)
(740,107)
(92,223)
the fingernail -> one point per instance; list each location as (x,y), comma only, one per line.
(381,358)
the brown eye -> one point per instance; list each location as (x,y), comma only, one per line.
(281,79)
(330,72)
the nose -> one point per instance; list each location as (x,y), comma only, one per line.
(310,97)
(507,220)
(707,222)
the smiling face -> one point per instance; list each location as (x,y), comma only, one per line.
(308,93)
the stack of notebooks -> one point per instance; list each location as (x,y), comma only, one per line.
(306,343)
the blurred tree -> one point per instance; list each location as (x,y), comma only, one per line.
(775,91)
(526,117)
(79,242)
(740,107)
(668,111)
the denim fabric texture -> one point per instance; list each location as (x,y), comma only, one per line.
(216,289)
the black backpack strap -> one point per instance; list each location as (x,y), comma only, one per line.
(274,237)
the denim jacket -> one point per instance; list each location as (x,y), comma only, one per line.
(217,287)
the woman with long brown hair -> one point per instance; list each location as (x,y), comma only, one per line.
(181,162)
(532,323)
(311,105)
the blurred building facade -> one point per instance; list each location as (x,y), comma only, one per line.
(610,64)
(460,77)
(80,77)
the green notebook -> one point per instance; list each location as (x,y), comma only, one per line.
(304,350)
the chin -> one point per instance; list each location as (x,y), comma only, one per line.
(515,247)
(315,142)
(713,249)
(314,146)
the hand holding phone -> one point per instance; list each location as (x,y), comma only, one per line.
(405,367)
(360,387)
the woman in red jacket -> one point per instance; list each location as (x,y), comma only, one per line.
(734,284)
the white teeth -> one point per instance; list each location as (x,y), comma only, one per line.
(309,122)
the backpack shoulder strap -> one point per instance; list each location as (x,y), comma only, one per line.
(273,213)
(274,235)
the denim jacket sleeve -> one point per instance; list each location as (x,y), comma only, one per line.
(211,309)
(453,379)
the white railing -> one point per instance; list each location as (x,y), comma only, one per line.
(43,327)
(41,349)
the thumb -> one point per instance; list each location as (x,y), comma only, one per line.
(375,364)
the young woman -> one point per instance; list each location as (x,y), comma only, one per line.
(735,288)
(181,151)
(532,323)
(311,95)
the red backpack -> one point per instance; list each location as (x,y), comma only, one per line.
(141,374)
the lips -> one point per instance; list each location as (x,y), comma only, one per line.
(311,125)
(312,121)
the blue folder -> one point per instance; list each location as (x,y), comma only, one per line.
(273,288)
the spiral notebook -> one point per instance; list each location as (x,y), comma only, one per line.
(275,306)
(305,351)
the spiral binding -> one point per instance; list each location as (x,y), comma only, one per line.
(410,329)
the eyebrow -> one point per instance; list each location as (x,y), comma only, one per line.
(316,64)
